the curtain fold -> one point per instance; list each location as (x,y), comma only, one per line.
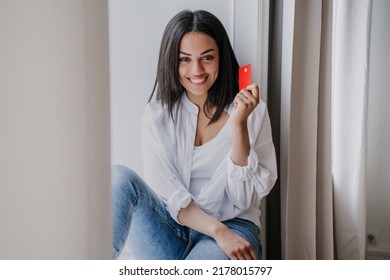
(323,111)
(324,195)
(299,138)
(351,30)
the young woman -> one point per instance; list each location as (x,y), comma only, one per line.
(208,154)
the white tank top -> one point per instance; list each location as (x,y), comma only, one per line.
(207,158)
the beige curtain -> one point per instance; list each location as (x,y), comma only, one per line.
(306,185)
(313,192)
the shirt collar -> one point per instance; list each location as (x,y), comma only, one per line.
(191,107)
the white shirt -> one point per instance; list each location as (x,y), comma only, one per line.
(219,187)
(207,158)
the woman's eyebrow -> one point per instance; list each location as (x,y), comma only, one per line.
(206,51)
(184,53)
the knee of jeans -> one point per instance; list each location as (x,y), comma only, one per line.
(121,178)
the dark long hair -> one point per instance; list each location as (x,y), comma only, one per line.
(167,86)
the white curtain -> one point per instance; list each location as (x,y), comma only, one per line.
(323,103)
(351,34)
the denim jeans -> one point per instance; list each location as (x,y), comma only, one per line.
(140,218)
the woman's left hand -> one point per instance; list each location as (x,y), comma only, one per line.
(245,102)
(233,245)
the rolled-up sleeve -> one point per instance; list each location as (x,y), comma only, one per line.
(158,161)
(252,182)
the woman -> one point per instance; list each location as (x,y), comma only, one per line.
(208,155)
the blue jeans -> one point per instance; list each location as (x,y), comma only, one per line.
(140,218)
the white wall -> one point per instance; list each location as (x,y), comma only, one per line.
(136,29)
(54,125)
(378,185)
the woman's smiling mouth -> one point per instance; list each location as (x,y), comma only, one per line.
(198,81)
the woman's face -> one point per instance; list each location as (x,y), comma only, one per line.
(198,62)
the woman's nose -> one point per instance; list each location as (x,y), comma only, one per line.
(197,68)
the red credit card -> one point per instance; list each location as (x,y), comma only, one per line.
(244,76)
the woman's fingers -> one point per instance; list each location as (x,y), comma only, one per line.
(253,254)
(254,89)
(247,97)
(249,253)
(246,253)
(234,246)
(246,100)
(244,250)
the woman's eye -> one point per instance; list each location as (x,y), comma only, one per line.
(207,57)
(184,59)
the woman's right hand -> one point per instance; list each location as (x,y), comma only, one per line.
(233,245)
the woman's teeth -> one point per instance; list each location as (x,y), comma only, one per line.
(197,81)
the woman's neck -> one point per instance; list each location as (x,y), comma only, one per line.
(198,100)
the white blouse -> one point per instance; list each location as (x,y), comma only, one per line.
(207,158)
(178,172)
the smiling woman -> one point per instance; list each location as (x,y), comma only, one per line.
(199,63)
(133,72)
(207,151)
(199,56)
(133,65)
